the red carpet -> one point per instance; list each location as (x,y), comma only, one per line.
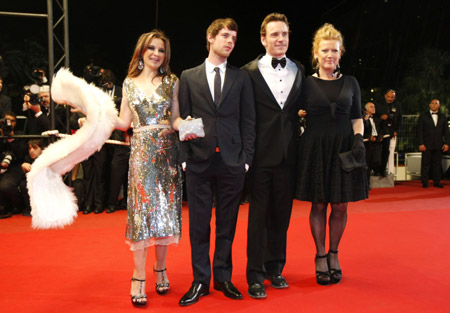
(395,258)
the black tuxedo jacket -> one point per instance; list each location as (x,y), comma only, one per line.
(433,137)
(276,128)
(368,128)
(230,126)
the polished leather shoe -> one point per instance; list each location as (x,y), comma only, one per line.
(277,281)
(257,291)
(110,209)
(196,291)
(98,210)
(228,290)
(88,210)
(438,185)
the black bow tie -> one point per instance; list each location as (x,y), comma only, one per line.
(281,61)
(434,113)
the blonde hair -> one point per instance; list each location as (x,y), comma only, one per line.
(326,32)
(142,45)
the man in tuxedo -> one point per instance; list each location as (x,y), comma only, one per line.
(216,164)
(390,113)
(277,84)
(434,139)
(372,138)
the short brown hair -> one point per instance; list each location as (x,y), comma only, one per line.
(273,17)
(217,25)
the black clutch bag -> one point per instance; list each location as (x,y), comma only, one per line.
(349,163)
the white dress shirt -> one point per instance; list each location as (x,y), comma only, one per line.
(374,129)
(434,117)
(279,79)
(210,74)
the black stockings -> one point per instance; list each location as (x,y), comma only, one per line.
(337,222)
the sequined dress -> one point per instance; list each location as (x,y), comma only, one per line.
(154,177)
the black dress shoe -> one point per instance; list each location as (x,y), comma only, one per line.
(88,210)
(438,185)
(424,185)
(277,281)
(257,291)
(196,291)
(98,210)
(228,290)
(110,209)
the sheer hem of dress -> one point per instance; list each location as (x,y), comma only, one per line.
(163,241)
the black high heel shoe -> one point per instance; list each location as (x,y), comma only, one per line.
(322,278)
(163,287)
(139,300)
(335,274)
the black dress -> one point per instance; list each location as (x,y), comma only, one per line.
(329,132)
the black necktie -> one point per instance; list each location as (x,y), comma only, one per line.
(217,86)
(281,61)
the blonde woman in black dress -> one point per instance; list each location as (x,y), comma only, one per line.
(331,103)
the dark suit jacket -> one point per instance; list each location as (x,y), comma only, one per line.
(230,126)
(394,111)
(276,128)
(5,104)
(433,137)
(368,128)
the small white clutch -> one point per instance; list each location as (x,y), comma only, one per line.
(192,126)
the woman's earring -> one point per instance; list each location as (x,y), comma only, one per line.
(316,66)
(140,64)
(337,70)
(161,70)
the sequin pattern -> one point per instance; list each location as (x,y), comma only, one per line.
(154,178)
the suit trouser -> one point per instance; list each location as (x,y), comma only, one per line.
(385,144)
(94,179)
(119,173)
(271,198)
(228,189)
(9,191)
(431,159)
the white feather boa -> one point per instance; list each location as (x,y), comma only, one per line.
(53,203)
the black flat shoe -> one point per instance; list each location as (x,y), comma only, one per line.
(228,290)
(322,278)
(335,274)
(277,281)
(257,291)
(194,293)
(139,300)
(163,287)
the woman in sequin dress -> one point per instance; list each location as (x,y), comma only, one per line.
(332,102)
(150,103)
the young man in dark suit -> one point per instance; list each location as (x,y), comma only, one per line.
(434,139)
(277,84)
(216,164)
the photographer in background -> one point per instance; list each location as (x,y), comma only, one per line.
(390,113)
(35,148)
(36,107)
(5,101)
(12,153)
